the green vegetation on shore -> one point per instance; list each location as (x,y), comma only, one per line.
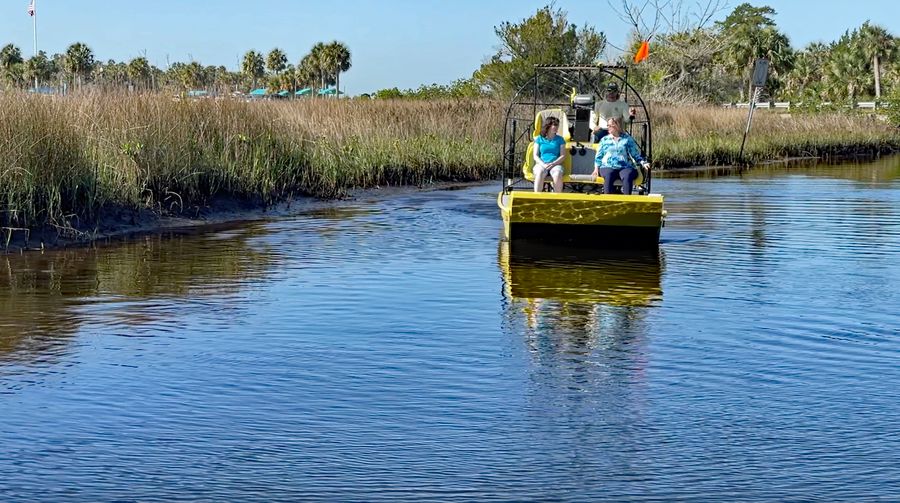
(711,136)
(63,160)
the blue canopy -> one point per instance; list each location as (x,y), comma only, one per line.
(305,90)
(43,90)
(197,92)
(283,93)
(329,90)
(262,91)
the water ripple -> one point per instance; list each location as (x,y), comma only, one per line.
(395,349)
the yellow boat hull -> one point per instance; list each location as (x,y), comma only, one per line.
(612,219)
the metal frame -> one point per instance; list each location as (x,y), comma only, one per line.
(516,126)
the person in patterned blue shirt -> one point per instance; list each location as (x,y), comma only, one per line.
(616,158)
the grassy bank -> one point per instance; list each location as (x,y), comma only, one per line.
(64,160)
(711,136)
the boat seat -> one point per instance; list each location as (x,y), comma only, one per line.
(559,114)
(577,167)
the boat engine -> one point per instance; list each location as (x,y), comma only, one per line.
(583,105)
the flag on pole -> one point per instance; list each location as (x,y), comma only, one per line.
(641,54)
(31,8)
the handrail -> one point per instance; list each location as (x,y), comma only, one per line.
(500,201)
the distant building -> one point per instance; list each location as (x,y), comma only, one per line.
(46,90)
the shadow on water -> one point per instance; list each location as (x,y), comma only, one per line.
(45,299)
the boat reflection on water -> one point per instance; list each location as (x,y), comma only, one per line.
(582,313)
(576,275)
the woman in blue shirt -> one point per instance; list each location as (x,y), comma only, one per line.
(549,151)
(616,158)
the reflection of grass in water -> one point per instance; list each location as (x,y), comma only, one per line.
(884,169)
(38,292)
(157,265)
(339,213)
(881,170)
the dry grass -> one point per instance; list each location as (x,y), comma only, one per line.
(712,136)
(62,160)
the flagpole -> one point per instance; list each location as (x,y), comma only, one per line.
(34,26)
(34,23)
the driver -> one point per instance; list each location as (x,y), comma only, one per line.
(608,108)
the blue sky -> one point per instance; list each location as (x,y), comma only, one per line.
(401,43)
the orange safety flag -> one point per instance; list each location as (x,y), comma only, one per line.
(643,52)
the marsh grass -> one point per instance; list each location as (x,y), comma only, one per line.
(63,160)
(711,136)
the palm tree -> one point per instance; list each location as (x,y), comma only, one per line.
(318,59)
(876,44)
(845,70)
(112,74)
(741,31)
(276,61)
(805,78)
(79,61)
(39,68)
(750,33)
(307,72)
(10,55)
(253,66)
(339,58)
(10,63)
(188,75)
(138,71)
(775,46)
(892,79)
(289,79)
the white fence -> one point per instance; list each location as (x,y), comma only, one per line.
(786,105)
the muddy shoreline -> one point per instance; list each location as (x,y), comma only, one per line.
(117,224)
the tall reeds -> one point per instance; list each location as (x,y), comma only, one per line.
(711,136)
(64,159)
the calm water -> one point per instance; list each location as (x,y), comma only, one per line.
(397,349)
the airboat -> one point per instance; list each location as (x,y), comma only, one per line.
(581,212)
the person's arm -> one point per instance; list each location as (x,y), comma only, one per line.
(635,152)
(536,152)
(594,123)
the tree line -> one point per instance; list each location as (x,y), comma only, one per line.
(699,61)
(692,59)
(78,67)
(714,63)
